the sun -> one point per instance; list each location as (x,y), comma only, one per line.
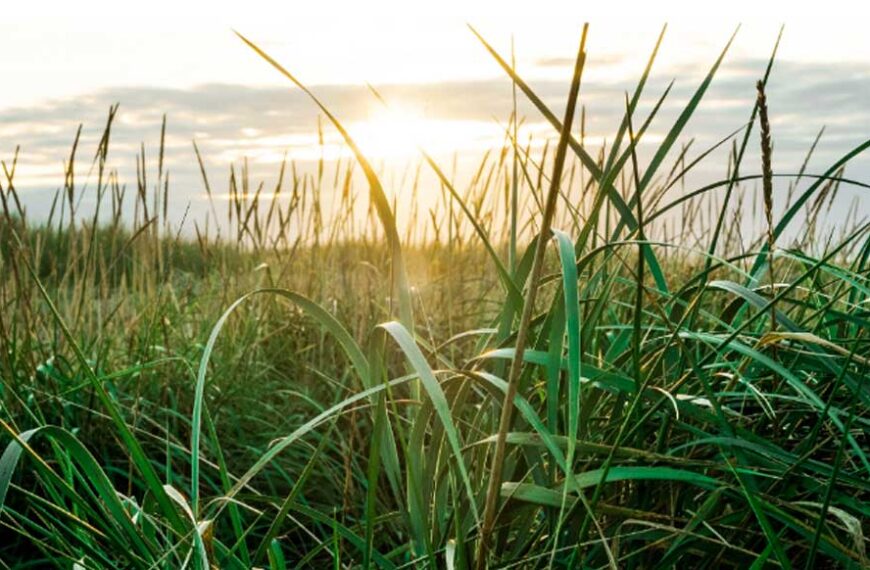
(392,132)
(401,131)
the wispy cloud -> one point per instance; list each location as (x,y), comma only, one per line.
(232,121)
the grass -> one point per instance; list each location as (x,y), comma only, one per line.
(595,366)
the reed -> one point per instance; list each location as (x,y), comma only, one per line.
(767,180)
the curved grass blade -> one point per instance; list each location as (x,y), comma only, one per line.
(326,320)
(382,204)
(531,493)
(439,401)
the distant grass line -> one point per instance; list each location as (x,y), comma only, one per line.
(547,369)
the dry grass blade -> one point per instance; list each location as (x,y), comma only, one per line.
(504,425)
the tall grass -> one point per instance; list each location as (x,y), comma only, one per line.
(593,370)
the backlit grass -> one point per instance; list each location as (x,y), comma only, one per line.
(576,360)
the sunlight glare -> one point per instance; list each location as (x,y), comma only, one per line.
(394,131)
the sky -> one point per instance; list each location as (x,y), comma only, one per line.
(58,49)
(63,64)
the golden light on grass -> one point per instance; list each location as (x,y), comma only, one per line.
(584,373)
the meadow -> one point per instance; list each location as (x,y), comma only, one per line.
(576,360)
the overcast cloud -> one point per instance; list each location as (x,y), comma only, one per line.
(230,122)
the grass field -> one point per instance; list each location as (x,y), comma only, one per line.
(639,384)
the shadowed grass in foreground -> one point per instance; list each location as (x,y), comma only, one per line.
(581,387)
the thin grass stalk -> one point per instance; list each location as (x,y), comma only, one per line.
(507,407)
(512,251)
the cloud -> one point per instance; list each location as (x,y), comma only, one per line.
(232,121)
(600,59)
